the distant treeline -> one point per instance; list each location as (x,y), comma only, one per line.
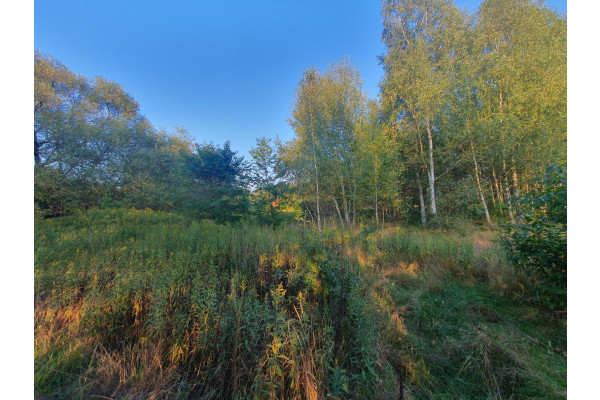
(472,108)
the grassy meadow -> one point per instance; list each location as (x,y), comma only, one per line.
(152,305)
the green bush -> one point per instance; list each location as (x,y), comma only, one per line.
(57,195)
(538,245)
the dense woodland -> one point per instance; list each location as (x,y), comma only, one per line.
(468,133)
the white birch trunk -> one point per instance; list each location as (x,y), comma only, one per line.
(431,172)
(376,206)
(480,189)
(516,191)
(337,207)
(421,200)
(498,191)
(508,199)
(318,206)
(344,200)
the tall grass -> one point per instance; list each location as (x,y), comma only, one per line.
(138,304)
(142,304)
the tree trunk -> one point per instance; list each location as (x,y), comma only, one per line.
(480,189)
(318,206)
(344,200)
(376,207)
(498,191)
(515,181)
(493,195)
(507,189)
(353,197)
(337,207)
(502,192)
(431,172)
(516,190)
(314,151)
(36,149)
(504,171)
(421,200)
(310,214)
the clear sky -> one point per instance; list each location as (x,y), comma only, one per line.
(222,69)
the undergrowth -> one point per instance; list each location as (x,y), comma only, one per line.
(142,304)
(139,304)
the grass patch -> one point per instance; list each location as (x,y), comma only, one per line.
(469,335)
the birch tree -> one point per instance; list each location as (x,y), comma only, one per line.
(422,40)
(522,88)
(328,109)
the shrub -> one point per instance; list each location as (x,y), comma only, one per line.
(538,245)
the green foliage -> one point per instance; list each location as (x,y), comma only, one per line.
(268,204)
(93,149)
(217,165)
(88,129)
(488,87)
(57,195)
(90,136)
(271,193)
(266,164)
(135,303)
(217,189)
(459,199)
(538,245)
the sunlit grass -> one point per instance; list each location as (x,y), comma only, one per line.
(136,304)
(172,307)
(467,333)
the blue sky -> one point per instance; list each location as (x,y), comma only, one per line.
(221,69)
